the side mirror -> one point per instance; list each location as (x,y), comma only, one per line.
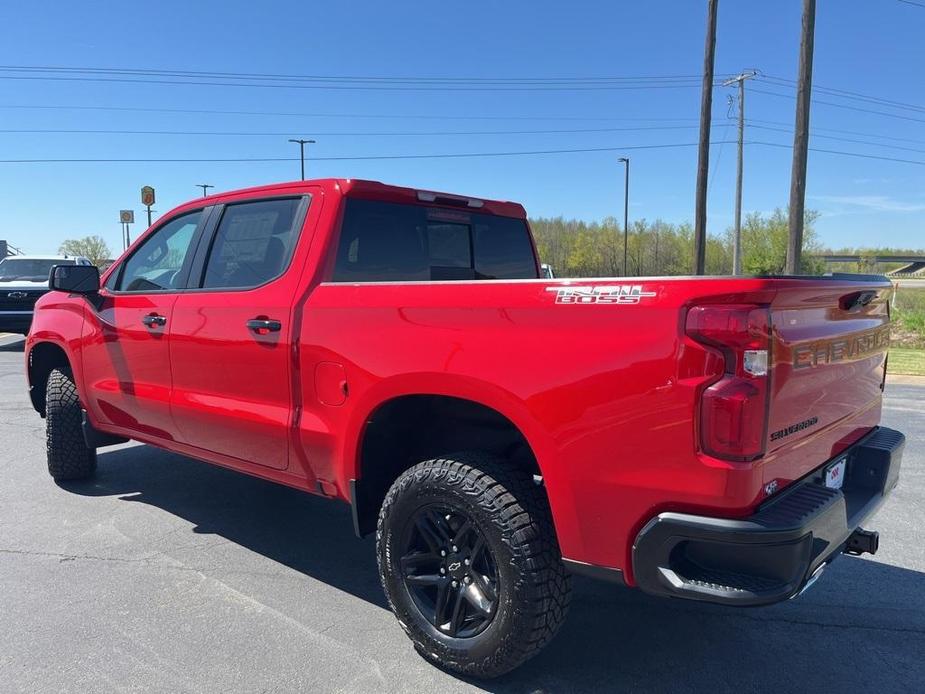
(75,279)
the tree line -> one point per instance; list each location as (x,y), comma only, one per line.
(576,248)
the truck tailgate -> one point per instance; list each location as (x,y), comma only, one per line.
(830,343)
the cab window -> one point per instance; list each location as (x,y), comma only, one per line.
(156,265)
(253,244)
(395,242)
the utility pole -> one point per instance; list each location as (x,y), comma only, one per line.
(626,208)
(737,238)
(801,140)
(205,187)
(302,144)
(703,151)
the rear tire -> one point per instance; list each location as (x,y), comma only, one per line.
(502,586)
(69,458)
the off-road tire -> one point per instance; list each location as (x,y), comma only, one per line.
(513,515)
(69,458)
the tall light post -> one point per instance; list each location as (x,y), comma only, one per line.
(205,188)
(302,144)
(626,209)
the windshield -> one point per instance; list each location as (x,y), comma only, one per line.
(28,269)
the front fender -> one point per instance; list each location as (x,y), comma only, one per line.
(59,322)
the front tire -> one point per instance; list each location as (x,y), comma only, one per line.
(69,458)
(470,564)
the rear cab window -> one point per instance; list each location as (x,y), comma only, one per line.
(396,242)
(253,243)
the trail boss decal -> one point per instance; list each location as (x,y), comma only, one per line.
(601,294)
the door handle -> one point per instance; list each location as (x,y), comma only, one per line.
(264,325)
(154,319)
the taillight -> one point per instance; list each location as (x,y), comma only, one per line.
(734,409)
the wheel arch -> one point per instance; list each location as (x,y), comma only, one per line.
(43,357)
(409,424)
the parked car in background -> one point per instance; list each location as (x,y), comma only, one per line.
(709,438)
(23,279)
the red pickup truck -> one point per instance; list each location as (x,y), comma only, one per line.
(709,438)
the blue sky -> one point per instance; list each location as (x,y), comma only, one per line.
(871,47)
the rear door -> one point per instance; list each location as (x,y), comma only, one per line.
(231,345)
(126,360)
(830,344)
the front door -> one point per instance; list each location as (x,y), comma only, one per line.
(231,334)
(126,359)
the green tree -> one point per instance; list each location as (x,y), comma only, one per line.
(92,247)
(764,244)
(595,249)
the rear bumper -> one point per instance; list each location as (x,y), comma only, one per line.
(771,555)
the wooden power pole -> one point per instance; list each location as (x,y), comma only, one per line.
(703,152)
(801,139)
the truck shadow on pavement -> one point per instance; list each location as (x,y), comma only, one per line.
(861,628)
(12,345)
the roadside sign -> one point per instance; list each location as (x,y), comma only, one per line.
(127,216)
(147,196)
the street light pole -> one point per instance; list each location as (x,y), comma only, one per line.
(626,209)
(302,144)
(205,187)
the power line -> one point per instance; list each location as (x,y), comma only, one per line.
(291,76)
(911,2)
(453,155)
(198,74)
(857,155)
(224,133)
(841,139)
(395,116)
(344,82)
(759,124)
(847,94)
(719,157)
(456,155)
(816,130)
(360,87)
(844,106)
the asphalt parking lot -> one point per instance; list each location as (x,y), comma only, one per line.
(168,575)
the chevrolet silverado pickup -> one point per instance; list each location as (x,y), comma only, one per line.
(707,438)
(23,279)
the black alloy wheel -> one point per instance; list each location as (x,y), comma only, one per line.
(449,572)
(470,564)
